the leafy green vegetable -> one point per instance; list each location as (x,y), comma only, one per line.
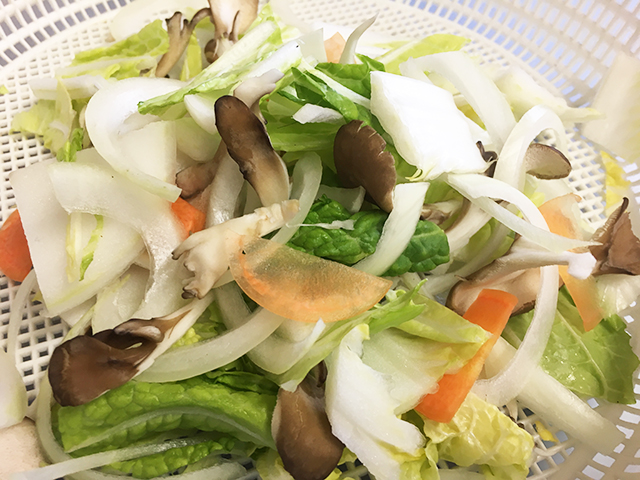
(437,43)
(192,65)
(599,363)
(235,403)
(209,325)
(257,45)
(427,249)
(481,434)
(390,314)
(68,152)
(122,59)
(54,120)
(159,464)
(3,90)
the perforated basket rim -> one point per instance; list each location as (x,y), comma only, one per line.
(566,45)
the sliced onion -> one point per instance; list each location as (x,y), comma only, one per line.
(225,190)
(194,141)
(310,113)
(349,52)
(398,229)
(18,306)
(105,117)
(45,225)
(510,166)
(480,190)
(306,180)
(83,86)
(478,89)
(96,190)
(556,404)
(196,359)
(201,109)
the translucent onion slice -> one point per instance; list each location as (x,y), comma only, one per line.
(13,394)
(96,190)
(200,107)
(510,168)
(477,88)
(310,113)
(105,117)
(556,404)
(481,190)
(202,357)
(408,199)
(225,190)
(306,180)
(284,347)
(349,52)
(45,224)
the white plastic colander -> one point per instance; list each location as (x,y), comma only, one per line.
(567,45)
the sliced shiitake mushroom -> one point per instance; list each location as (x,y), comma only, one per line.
(362,161)
(248,144)
(84,367)
(302,432)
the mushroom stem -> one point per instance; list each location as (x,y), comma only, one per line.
(179,31)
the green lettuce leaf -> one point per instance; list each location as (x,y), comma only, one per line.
(257,45)
(427,248)
(54,120)
(233,403)
(480,434)
(599,363)
(438,43)
(192,65)
(382,316)
(68,152)
(209,325)
(122,59)
(160,464)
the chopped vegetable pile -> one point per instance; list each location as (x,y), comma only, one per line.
(281,248)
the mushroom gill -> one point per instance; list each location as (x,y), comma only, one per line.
(248,144)
(84,367)
(302,432)
(362,161)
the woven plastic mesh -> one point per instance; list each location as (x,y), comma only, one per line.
(566,45)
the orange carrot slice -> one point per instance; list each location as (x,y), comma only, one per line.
(334,47)
(491,311)
(560,216)
(191,218)
(15,259)
(300,286)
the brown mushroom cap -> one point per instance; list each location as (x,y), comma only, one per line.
(546,162)
(620,249)
(84,367)
(362,161)
(302,432)
(248,144)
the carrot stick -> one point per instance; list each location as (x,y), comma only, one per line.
(491,311)
(559,217)
(15,260)
(191,218)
